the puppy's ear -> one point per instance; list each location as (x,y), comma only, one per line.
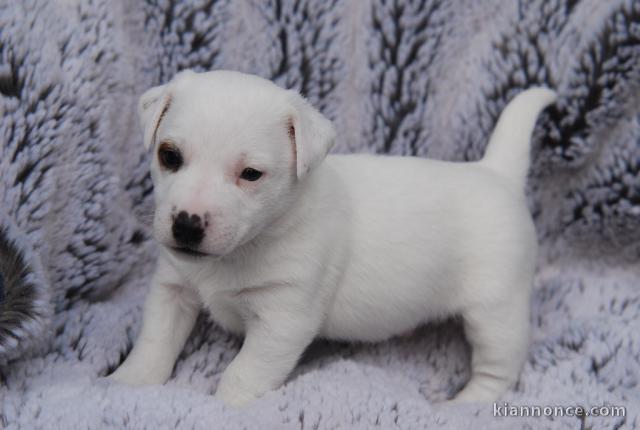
(153,105)
(312,133)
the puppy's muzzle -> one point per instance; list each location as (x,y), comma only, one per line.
(188,230)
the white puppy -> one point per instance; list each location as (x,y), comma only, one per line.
(283,247)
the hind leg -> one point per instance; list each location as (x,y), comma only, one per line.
(499,338)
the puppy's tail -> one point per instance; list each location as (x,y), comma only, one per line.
(508,150)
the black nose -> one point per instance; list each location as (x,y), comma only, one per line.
(187,230)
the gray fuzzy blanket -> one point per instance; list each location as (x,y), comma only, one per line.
(419,77)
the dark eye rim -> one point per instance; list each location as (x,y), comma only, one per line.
(169,149)
(250,174)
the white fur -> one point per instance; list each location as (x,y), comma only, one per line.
(354,247)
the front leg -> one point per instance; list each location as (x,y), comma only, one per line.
(169,314)
(272,345)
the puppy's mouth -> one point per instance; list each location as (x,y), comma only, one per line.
(182,250)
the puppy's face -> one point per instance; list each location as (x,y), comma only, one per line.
(229,151)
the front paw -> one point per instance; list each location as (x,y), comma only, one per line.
(233,392)
(129,375)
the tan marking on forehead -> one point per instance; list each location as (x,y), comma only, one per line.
(163,113)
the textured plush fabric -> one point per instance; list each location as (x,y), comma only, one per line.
(425,78)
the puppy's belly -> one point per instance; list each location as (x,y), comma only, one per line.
(399,274)
(374,308)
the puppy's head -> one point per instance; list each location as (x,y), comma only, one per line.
(229,150)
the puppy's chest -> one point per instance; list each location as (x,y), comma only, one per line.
(221,289)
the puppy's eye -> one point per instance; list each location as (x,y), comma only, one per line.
(250,174)
(169,157)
